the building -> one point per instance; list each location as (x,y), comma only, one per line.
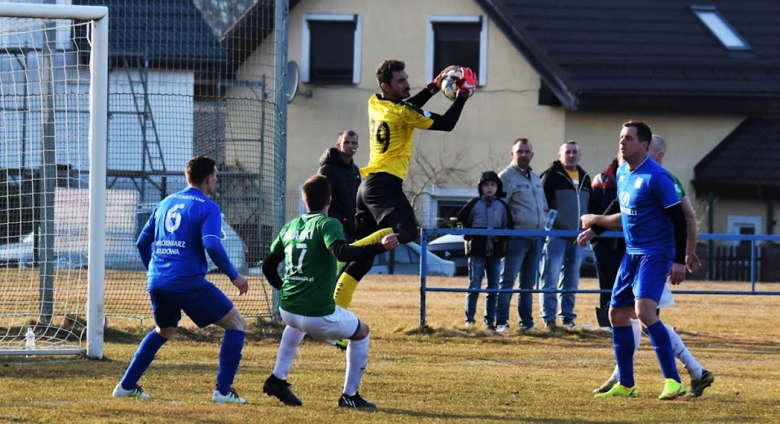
(703,75)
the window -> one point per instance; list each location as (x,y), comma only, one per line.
(457,40)
(744,225)
(448,209)
(720,27)
(330,52)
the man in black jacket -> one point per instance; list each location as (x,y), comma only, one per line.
(337,165)
(567,189)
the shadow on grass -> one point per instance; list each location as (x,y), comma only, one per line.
(257,329)
(494,418)
(557,333)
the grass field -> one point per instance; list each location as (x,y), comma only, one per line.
(444,373)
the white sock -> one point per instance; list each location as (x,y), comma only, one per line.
(288,348)
(357,359)
(685,356)
(636,326)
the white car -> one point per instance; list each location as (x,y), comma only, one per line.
(451,246)
(17,254)
(20,254)
(234,246)
(407,262)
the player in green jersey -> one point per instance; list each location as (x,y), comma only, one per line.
(309,246)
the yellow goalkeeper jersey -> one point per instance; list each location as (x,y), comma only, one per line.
(391,127)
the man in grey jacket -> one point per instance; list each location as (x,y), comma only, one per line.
(525,195)
(567,189)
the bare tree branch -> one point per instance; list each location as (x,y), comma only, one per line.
(443,168)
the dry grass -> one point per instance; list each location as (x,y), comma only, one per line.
(445,373)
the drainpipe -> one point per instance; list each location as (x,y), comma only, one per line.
(710,229)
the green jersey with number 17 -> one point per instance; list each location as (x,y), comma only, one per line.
(310,268)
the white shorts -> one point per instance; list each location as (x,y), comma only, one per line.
(341,324)
(666,298)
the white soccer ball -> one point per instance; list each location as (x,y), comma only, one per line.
(450,80)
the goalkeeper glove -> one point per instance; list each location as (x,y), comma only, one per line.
(467,84)
(435,85)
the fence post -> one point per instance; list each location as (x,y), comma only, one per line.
(423,272)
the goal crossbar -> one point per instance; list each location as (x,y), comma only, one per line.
(53,11)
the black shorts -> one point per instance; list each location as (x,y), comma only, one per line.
(381,203)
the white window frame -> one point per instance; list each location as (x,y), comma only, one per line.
(483,42)
(735,222)
(306,41)
(720,27)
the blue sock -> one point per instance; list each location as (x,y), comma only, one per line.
(229,358)
(623,344)
(662,344)
(142,359)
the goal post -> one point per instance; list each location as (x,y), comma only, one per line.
(41,107)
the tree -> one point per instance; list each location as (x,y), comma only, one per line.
(440,169)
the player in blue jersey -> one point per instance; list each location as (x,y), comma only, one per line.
(701,378)
(655,228)
(171,246)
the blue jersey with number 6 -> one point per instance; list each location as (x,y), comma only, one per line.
(178,225)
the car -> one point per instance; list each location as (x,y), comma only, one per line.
(234,245)
(20,255)
(451,247)
(16,254)
(407,262)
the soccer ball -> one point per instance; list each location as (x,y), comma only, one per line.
(450,80)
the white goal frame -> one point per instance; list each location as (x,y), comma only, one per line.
(98,106)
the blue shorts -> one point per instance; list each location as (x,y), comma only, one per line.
(204,304)
(640,277)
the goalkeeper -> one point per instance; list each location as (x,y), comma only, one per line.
(381,202)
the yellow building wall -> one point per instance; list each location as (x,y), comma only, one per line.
(505,108)
(498,113)
(688,138)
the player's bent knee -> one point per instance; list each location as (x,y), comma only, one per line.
(233,321)
(362,332)
(166,332)
(620,317)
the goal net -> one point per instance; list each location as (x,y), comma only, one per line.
(182,78)
(53,98)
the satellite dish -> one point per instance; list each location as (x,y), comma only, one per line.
(293,77)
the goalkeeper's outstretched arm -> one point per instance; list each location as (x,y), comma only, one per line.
(447,121)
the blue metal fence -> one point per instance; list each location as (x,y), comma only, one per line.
(425,233)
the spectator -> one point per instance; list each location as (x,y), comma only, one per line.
(337,165)
(567,190)
(608,251)
(529,211)
(487,210)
